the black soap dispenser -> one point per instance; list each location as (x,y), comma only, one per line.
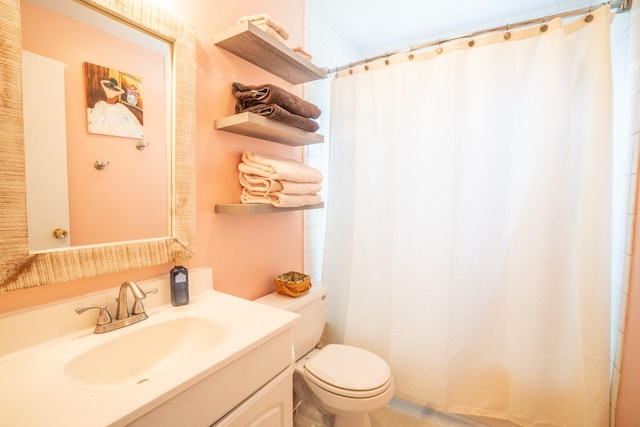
(179,277)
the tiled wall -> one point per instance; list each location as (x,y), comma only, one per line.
(329,49)
(625,49)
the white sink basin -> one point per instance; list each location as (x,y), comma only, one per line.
(136,357)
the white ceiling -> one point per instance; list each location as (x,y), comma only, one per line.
(379,26)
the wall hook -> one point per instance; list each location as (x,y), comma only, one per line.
(141,145)
(99,164)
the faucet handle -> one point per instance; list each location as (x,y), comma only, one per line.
(104,318)
(137,305)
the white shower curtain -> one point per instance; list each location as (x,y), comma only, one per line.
(468,229)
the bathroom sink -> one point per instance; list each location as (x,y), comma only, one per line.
(136,357)
(163,371)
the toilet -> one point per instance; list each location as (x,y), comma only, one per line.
(342,381)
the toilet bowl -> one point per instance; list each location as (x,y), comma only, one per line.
(347,382)
(343,381)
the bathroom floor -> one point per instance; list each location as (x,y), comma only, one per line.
(403,414)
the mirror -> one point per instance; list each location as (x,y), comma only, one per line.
(77,112)
(20,268)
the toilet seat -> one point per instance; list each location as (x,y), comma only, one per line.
(349,371)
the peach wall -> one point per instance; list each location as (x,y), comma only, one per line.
(100,210)
(245,252)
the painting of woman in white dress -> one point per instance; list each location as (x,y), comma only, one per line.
(114,102)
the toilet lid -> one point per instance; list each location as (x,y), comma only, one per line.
(349,368)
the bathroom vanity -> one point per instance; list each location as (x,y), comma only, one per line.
(218,361)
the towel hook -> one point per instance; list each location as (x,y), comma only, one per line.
(100,165)
(141,145)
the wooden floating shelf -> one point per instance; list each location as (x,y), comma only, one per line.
(256,46)
(259,208)
(257,126)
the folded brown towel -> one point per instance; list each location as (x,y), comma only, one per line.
(250,95)
(279,114)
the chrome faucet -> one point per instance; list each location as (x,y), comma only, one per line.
(123,307)
(123,316)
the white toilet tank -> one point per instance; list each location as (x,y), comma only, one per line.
(312,310)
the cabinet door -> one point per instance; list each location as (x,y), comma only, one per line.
(271,406)
(45,143)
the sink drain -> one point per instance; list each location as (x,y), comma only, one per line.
(142,380)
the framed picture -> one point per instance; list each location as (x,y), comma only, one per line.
(115,102)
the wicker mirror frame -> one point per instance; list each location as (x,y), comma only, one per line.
(21,269)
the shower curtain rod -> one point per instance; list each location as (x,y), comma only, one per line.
(618,5)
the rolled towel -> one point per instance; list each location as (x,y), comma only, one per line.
(257,184)
(250,95)
(279,114)
(279,199)
(264,19)
(300,51)
(277,168)
(273,33)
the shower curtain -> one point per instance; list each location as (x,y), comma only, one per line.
(468,222)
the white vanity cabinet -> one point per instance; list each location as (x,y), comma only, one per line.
(253,390)
(271,406)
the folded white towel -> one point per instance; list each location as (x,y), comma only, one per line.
(278,169)
(260,185)
(289,187)
(279,199)
(264,19)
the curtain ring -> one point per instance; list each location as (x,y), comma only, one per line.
(386,61)
(507,34)
(439,49)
